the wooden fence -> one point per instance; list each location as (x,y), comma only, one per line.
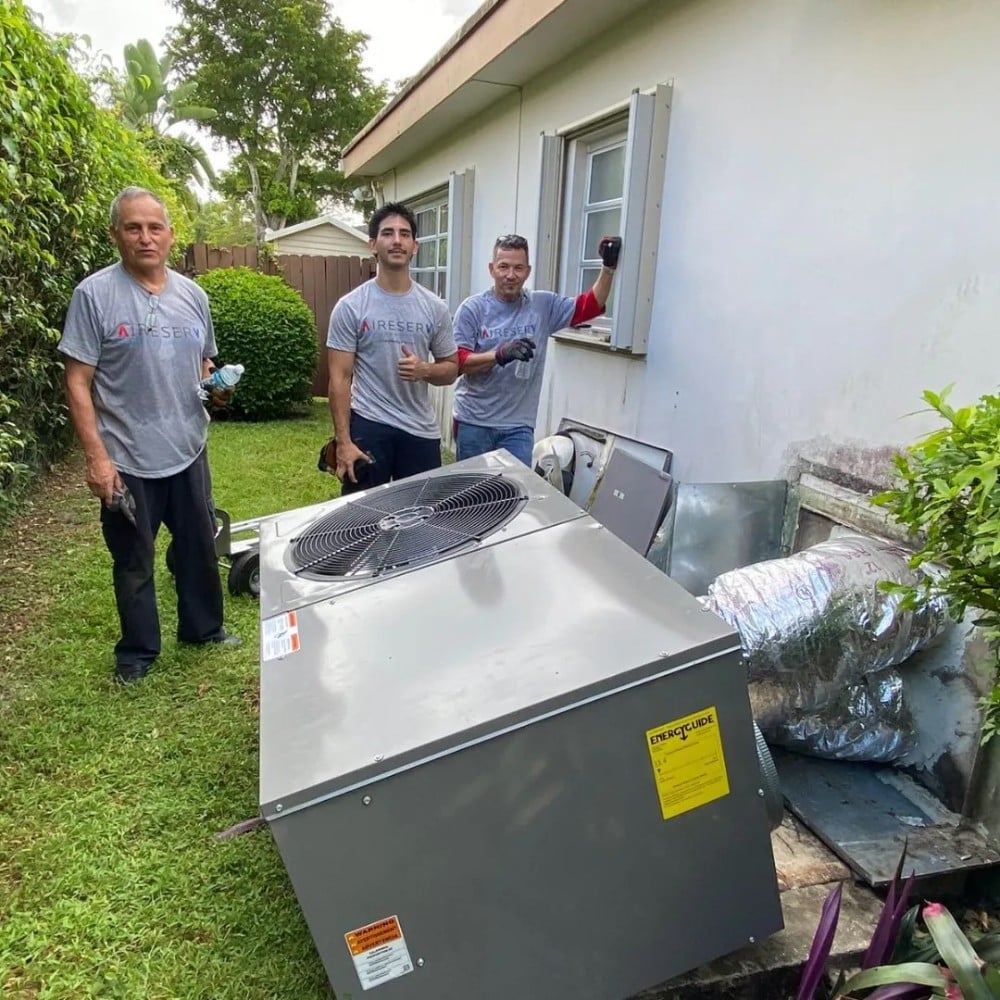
(320,280)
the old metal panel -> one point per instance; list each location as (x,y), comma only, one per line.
(631,500)
(865,814)
(715,527)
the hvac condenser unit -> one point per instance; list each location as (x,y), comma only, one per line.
(502,756)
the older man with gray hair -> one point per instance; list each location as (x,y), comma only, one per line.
(138,340)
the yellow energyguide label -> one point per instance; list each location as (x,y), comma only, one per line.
(688,766)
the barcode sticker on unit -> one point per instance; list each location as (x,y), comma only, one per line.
(379,952)
(688,765)
(279,636)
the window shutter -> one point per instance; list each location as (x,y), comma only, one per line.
(460,205)
(645,165)
(545,252)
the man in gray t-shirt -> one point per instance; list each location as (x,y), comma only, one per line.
(502,336)
(137,341)
(382,336)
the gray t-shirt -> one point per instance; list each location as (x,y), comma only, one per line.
(147,353)
(373,325)
(498,398)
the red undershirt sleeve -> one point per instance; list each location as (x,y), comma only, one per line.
(587,307)
(463,353)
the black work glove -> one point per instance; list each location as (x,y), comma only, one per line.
(608,249)
(522,349)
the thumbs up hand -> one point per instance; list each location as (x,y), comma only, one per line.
(410,367)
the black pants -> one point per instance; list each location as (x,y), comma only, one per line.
(183,502)
(397,454)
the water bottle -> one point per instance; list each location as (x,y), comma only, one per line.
(223,378)
(522,369)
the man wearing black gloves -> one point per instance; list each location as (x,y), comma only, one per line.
(502,335)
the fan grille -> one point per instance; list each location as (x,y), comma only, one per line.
(405,525)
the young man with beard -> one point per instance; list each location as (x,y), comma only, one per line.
(388,340)
(502,336)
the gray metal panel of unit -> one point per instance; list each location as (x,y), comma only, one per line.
(538,863)
(422,663)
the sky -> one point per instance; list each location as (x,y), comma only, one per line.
(404,34)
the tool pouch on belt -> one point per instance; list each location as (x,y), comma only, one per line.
(327,462)
(328,457)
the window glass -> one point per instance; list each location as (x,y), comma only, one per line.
(600,224)
(607,174)
(432,234)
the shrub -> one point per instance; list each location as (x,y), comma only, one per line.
(266,326)
(62,160)
(949,497)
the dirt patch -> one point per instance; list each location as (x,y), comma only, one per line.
(58,508)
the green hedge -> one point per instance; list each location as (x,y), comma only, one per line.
(62,160)
(263,324)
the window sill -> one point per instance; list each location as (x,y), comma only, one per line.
(593,339)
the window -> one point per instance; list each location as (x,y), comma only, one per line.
(444,232)
(594,193)
(430,268)
(605,178)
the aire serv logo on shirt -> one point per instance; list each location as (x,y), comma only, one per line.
(130,331)
(394,326)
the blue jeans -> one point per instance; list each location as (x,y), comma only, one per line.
(472,440)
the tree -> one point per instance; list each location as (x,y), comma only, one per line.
(290,91)
(224,223)
(149,105)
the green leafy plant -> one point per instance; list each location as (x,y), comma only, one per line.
(62,160)
(949,499)
(903,961)
(266,326)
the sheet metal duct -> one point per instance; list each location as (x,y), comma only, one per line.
(522,765)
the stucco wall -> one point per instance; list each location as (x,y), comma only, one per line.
(831,224)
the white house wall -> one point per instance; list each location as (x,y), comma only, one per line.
(830,240)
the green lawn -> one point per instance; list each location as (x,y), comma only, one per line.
(112,882)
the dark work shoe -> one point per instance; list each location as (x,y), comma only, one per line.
(129,673)
(226,639)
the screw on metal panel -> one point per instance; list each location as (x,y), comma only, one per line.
(420,962)
(366,801)
(663,655)
(378,756)
(760,792)
(278,808)
(753,940)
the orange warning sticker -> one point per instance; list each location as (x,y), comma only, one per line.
(280,636)
(379,952)
(374,935)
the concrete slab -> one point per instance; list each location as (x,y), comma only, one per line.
(770,970)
